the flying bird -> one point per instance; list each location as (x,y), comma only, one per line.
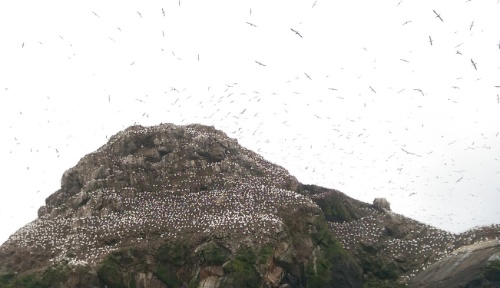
(296,32)
(438,15)
(259,63)
(22,45)
(96,14)
(404,60)
(132,63)
(458,52)
(419,91)
(308,76)
(372,89)
(163,11)
(406,22)
(410,153)
(139,14)
(498,102)
(473,64)
(251,24)
(430,40)
(471,25)
(314,3)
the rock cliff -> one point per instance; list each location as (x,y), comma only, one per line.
(187,206)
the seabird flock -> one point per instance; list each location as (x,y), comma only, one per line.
(425,244)
(136,198)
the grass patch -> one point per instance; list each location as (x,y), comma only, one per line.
(492,271)
(167,274)
(213,254)
(110,273)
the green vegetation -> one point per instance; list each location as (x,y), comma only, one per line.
(10,280)
(166,273)
(318,269)
(246,254)
(55,274)
(213,254)
(380,268)
(242,273)
(26,281)
(5,279)
(330,263)
(265,253)
(174,253)
(118,264)
(492,271)
(110,273)
(335,209)
(174,263)
(195,283)
(52,276)
(132,283)
(377,283)
(241,269)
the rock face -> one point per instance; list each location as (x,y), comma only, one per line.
(381,204)
(186,206)
(475,265)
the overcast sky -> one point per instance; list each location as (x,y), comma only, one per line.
(357,99)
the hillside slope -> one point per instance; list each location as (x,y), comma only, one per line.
(186,206)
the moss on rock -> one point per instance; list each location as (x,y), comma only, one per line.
(492,271)
(242,273)
(212,253)
(110,273)
(166,273)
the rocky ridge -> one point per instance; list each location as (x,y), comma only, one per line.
(179,206)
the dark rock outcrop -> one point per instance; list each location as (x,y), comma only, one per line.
(381,204)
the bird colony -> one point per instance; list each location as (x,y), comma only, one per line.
(153,184)
(162,182)
(412,244)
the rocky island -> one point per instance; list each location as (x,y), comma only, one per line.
(187,206)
